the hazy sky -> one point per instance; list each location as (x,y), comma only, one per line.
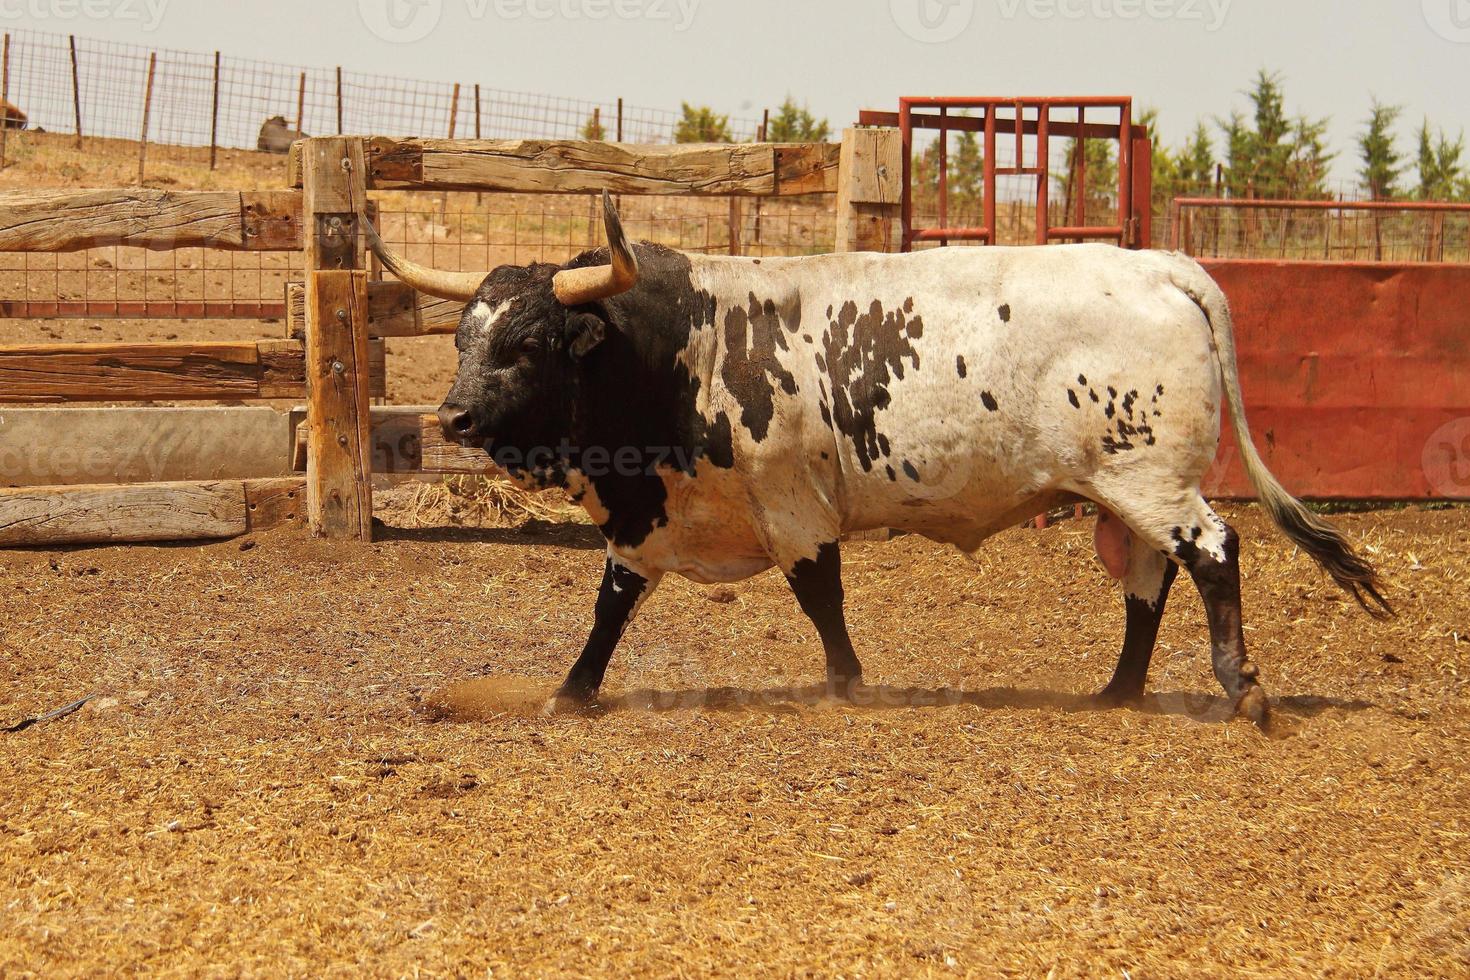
(1189,58)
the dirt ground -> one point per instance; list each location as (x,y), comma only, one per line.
(263,787)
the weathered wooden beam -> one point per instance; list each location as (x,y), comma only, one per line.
(128,512)
(146,512)
(70,446)
(395,309)
(339,469)
(869,189)
(275,502)
(584,167)
(170,371)
(442,456)
(68,221)
(339,489)
(407,439)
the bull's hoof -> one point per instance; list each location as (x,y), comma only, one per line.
(1117,695)
(1254,704)
(847,688)
(571,703)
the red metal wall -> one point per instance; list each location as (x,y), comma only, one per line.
(1356,378)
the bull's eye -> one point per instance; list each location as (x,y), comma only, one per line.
(530,345)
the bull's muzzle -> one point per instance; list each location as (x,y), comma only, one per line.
(458,423)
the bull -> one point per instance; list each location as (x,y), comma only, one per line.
(717,416)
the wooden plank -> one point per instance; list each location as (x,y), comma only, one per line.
(339,467)
(396,439)
(870,189)
(408,439)
(807,168)
(169,371)
(394,310)
(68,221)
(442,456)
(584,167)
(131,372)
(99,514)
(70,446)
(273,503)
(272,220)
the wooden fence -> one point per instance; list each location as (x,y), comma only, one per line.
(332,356)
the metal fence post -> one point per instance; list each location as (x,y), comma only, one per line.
(147,107)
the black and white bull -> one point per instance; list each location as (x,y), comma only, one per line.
(717,416)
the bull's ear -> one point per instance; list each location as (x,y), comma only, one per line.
(584,332)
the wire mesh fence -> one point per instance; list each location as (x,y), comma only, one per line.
(116,281)
(455,231)
(63,82)
(1322,231)
(461,231)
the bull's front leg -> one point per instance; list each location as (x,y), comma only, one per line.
(818,586)
(622,592)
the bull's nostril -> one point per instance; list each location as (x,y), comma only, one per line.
(456,421)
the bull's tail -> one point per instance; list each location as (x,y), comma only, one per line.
(1318,538)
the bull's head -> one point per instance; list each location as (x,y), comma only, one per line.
(521,337)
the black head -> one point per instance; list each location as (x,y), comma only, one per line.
(522,337)
(520,351)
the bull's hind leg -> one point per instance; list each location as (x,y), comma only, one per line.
(818,587)
(1146,582)
(1191,534)
(1212,555)
(622,592)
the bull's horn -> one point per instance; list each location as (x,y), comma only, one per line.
(458,286)
(576,286)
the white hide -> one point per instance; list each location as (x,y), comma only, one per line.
(1124,320)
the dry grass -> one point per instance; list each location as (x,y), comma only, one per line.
(472,501)
(261,790)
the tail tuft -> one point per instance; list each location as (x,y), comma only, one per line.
(1329,548)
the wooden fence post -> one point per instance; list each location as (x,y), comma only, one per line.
(76,89)
(5,95)
(869,189)
(300,106)
(339,100)
(339,498)
(214,116)
(147,108)
(453,109)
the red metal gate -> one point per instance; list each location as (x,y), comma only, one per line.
(1017,119)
